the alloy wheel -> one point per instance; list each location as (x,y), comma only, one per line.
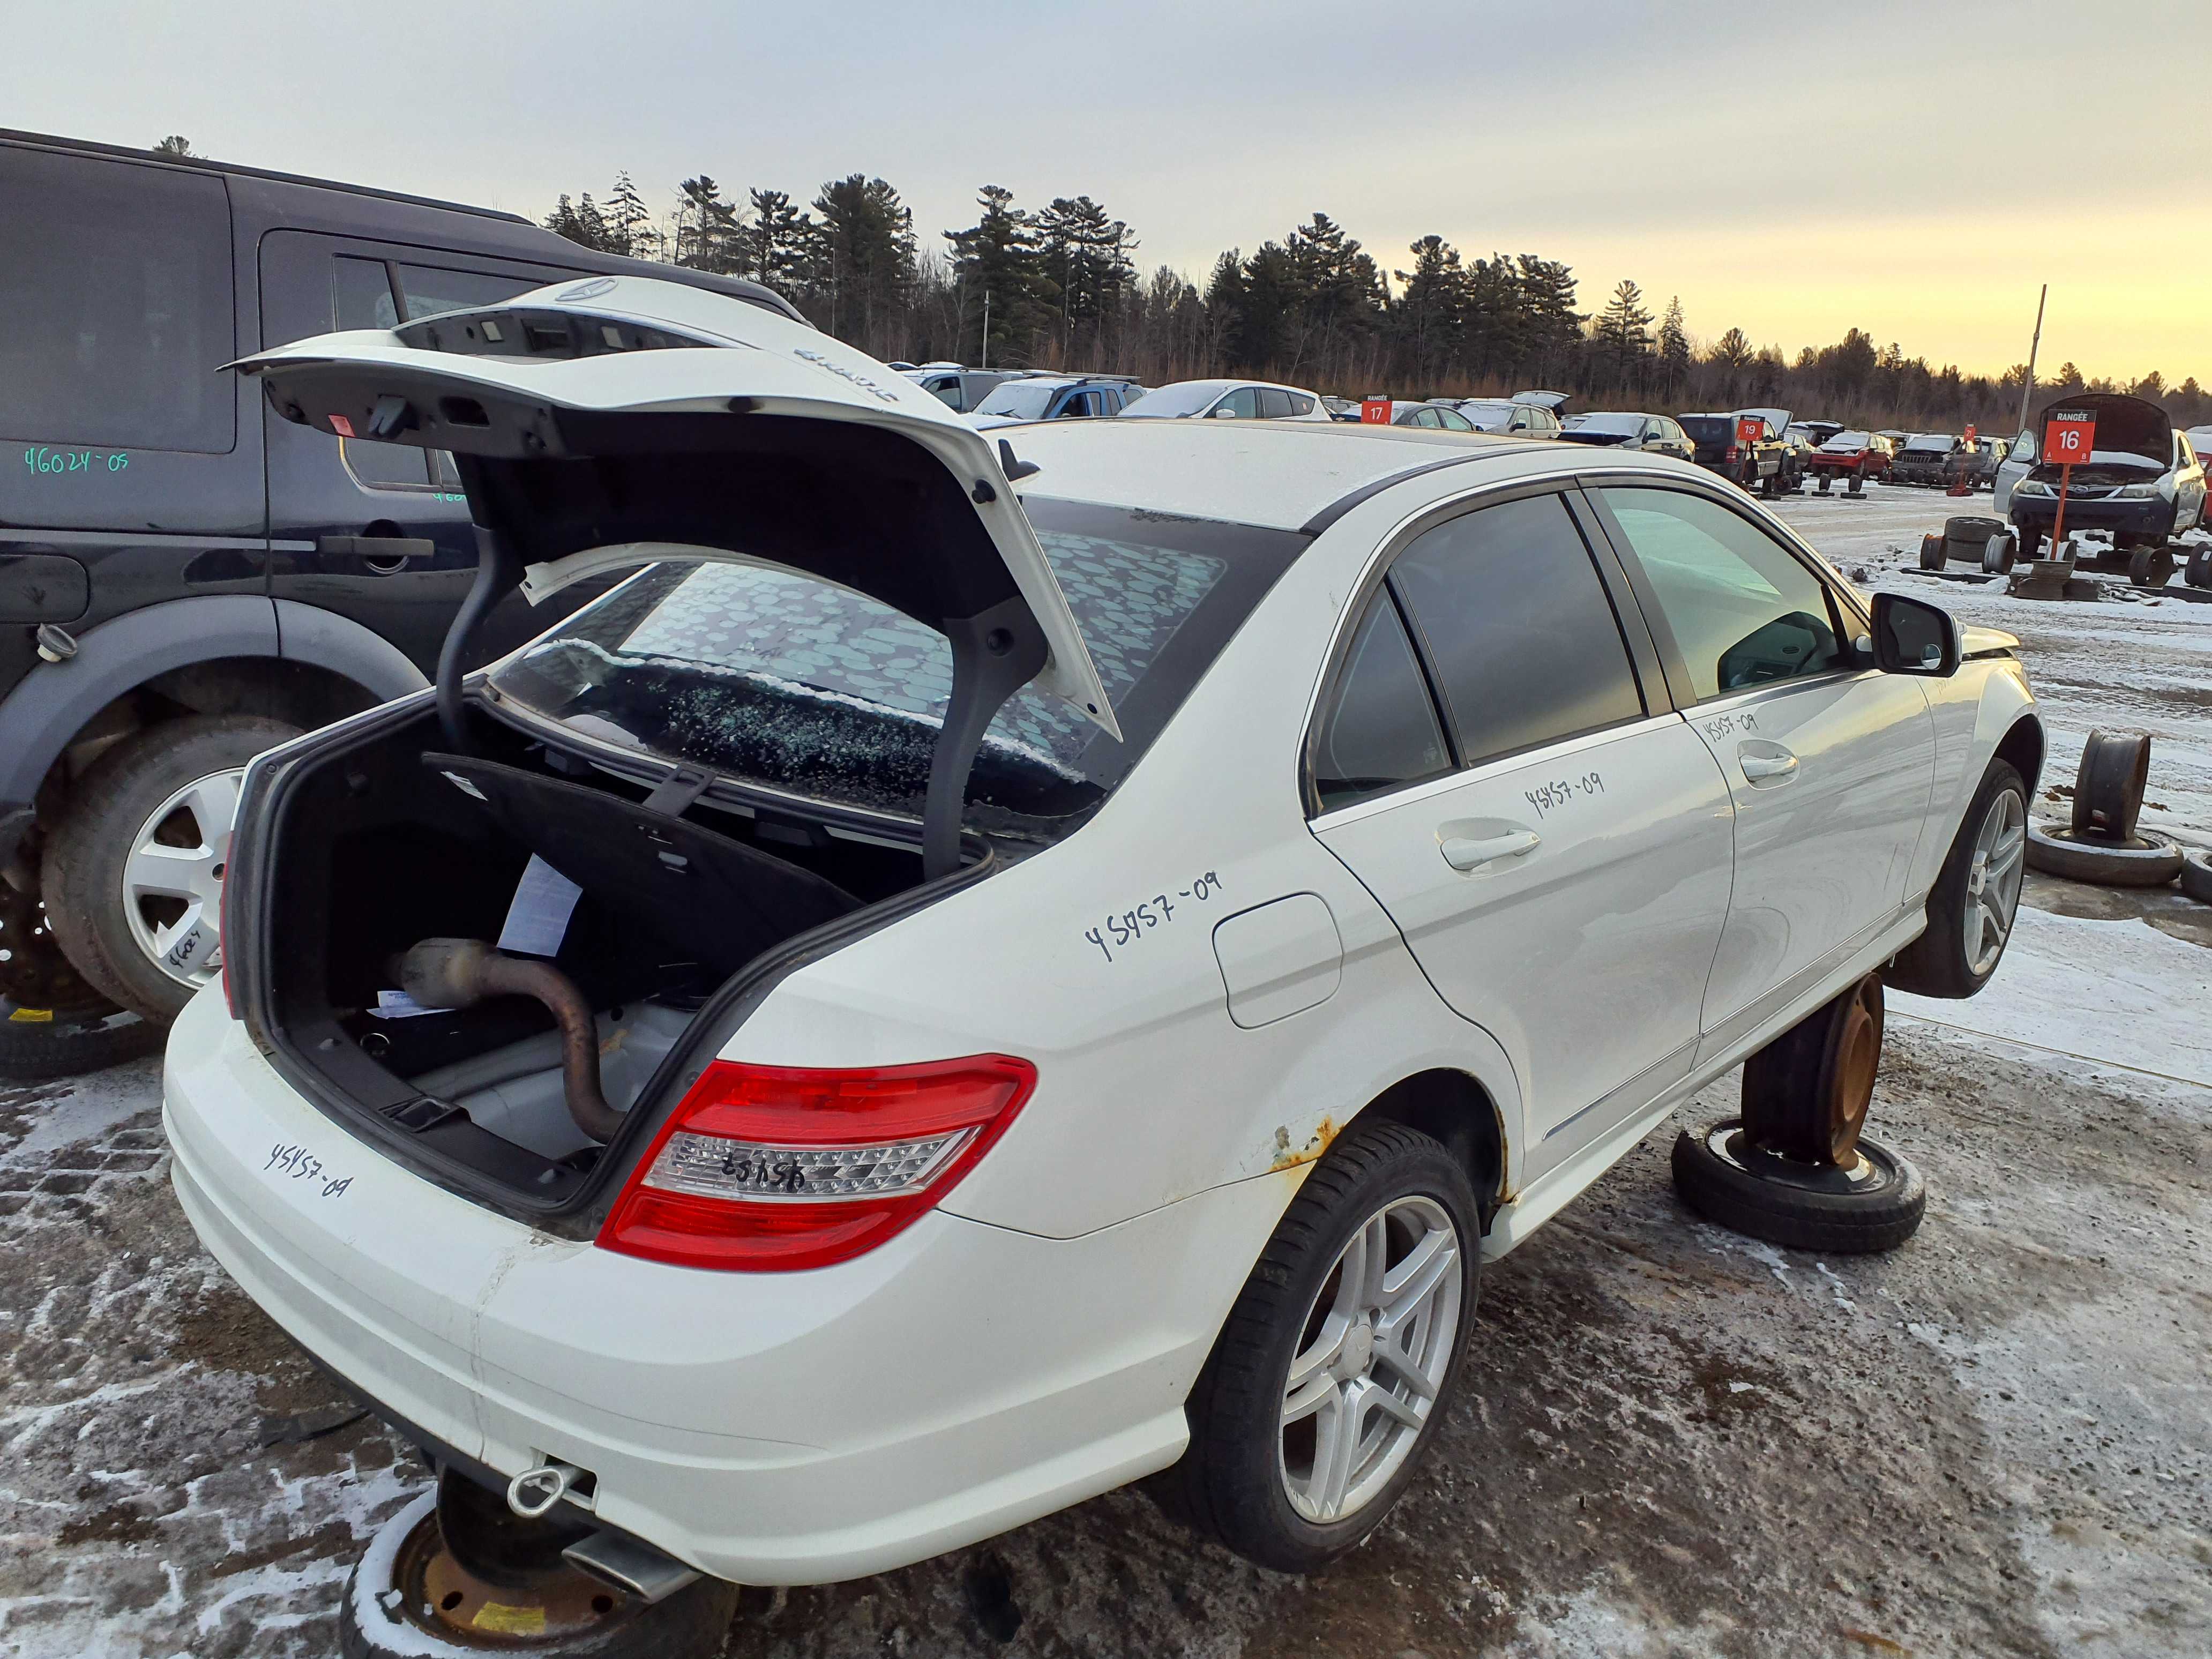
(172,880)
(1993,881)
(1373,1353)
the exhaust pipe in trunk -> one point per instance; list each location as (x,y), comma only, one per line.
(459,973)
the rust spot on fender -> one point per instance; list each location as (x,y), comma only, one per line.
(1288,1156)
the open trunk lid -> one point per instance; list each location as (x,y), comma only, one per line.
(622,419)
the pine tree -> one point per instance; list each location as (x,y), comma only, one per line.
(1673,349)
(1552,326)
(628,221)
(176,144)
(864,251)
(707,228)
(1733,350)
(997,258)
(1427,317)
(1622,334)
(778,242)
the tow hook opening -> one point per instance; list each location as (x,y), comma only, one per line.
(533,1493)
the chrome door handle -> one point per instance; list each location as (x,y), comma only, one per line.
(1463,855)
(1759,767)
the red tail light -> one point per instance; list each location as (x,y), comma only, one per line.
(1732,452)
(770,1168)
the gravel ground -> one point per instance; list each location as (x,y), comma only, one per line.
(1672,1441)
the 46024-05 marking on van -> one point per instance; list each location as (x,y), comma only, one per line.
(48,461)
(1158,911)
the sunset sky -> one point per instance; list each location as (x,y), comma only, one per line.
(1912,168)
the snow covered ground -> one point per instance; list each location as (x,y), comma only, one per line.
(1996,1440)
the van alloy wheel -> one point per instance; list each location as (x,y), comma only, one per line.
(132,873)
(1377,1342)
(172,880)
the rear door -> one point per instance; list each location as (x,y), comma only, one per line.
(1830,764)
(1549,836)
(377,532)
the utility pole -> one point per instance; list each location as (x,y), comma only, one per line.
(985,363)
(2028,389)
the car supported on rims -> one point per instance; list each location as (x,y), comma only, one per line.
(1003,963)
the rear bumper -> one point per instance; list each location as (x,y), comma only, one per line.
(769,1428)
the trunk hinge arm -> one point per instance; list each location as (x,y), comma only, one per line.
(499,573)
(995,653)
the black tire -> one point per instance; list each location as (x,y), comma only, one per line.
(2146,859)
(1936,963)
(374,1624)
(82,875)
(37,1044)
(2109,784)
(2031,543)
(1231,1482)
(2196,876)
(2199,573)
(2150,566)
(1874,1206)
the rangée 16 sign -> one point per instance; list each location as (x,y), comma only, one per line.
(2069,439)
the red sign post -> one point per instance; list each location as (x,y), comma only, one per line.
(2067,438)
(1375,411)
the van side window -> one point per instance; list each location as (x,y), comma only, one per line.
(430,290)
(1381,729)
(360,297)
(115,283)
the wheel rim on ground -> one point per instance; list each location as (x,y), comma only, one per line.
(35,972)
(1372,1355)
(1858,1173)
(1993,881)
(173,879)
(442,1598)
(1858,1062)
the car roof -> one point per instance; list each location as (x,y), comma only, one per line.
(500,234)
(1282,475)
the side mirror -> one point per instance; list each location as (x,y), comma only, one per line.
(1911,636)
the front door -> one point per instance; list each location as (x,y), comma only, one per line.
(1554,847)
(1830,762)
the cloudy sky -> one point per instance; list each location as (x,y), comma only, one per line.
(1915,167)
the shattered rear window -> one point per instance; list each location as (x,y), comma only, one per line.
(775,677)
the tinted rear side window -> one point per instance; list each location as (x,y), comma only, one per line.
(1274,405)
(1381,732)
(115,285)
(1518,628)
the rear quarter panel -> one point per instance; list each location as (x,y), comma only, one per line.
(1148,1091)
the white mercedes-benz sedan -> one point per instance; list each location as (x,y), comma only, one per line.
(976,971)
